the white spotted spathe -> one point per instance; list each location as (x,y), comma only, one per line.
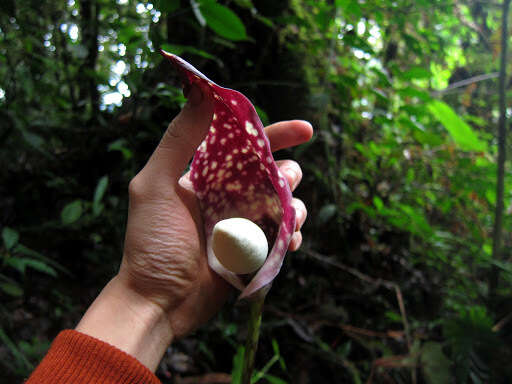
(245,184)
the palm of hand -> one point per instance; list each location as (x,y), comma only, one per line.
(165,256)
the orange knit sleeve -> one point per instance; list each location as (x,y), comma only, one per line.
(76,358)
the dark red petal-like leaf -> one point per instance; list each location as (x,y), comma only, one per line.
(234,175)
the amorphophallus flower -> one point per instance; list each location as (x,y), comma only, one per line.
(234,175)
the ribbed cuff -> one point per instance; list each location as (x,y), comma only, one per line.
(76,358)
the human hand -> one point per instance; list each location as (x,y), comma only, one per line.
(164,267)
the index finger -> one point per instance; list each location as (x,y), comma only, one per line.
(285,134)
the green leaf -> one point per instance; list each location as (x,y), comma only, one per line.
(20,248)
(465,138)
(273,379)
(490,194)
(99,192)
(377,201)
(350,8)
(417,222)
(120,145)
(10,237)
(71,212)
(16,263)
(21,264)
(275,347)
(223,21)
(415,73)
(19,356)
(100,189)
(230,330)
(40,267)
(469,336)
(344,349)
(11,289)
(97,209)
(413,92)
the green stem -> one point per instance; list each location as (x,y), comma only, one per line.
(253,334)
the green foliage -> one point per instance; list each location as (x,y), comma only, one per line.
(461,133)
(21,362)
(435,364)
(258,375)
(71,212)
(10,237)
(99,192)
(473,344)
(223,21)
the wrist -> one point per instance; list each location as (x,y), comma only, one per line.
(125,319)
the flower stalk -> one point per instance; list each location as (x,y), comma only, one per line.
(253,335)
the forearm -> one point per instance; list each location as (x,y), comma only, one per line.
(128,321)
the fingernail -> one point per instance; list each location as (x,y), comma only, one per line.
(308,123)
(193,93)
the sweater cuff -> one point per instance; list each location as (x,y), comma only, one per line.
(78,358)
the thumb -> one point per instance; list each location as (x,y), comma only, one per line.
(183,135)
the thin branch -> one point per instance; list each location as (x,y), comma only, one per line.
(500,324)
(379,282)
(502,155)
(329,260)
(465,82)
(407,331)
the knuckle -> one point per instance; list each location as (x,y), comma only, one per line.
(301,213)
(294,170)
(174,129)
(296,167)
(296,241)
(299,205)
(136,188)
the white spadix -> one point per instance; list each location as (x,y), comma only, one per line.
(239,245)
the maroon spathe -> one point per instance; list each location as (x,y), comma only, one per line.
(234,175)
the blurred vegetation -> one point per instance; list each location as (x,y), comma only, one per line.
(392,283)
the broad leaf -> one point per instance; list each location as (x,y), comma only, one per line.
(21,264)
(10,237)
(415,73)
(11,289)
(100,189)
(223,21)
(465,138)
(71,212)
(97,206)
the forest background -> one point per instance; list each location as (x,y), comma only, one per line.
(402,277)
